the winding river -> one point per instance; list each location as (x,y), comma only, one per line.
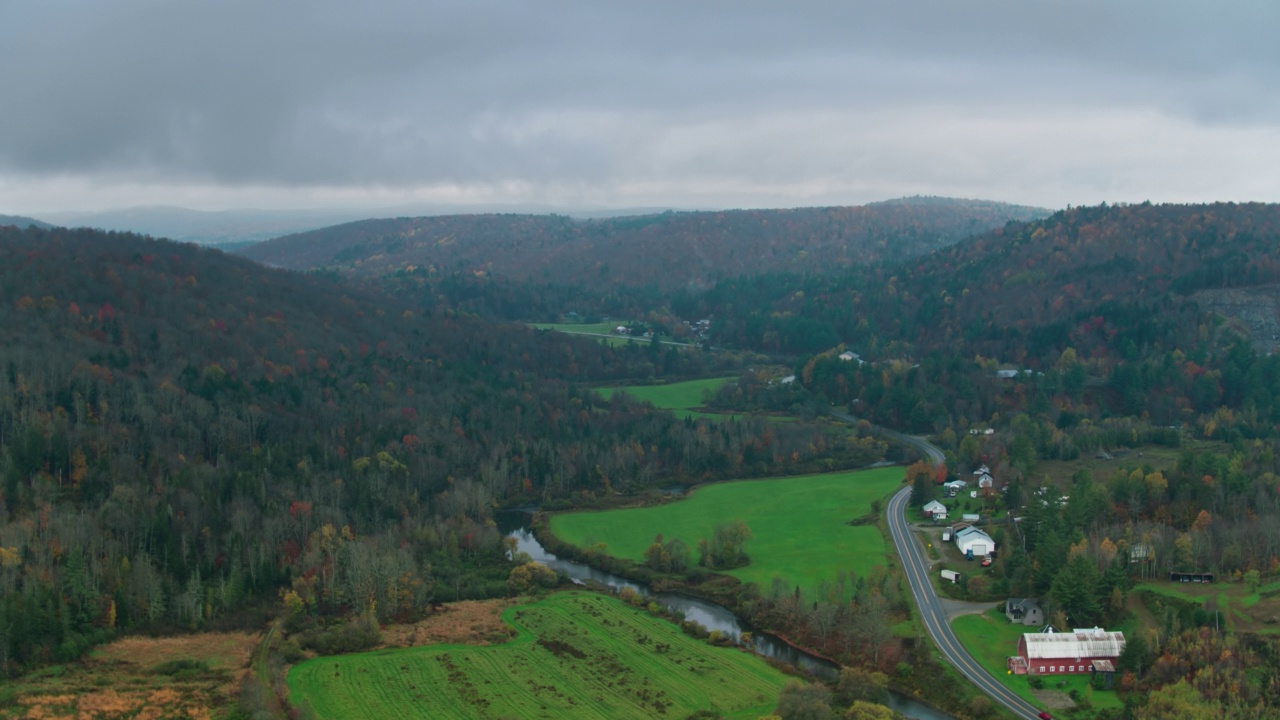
(711,616)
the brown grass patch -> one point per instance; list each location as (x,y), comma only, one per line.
(468,622)
(120,681)
(220,650)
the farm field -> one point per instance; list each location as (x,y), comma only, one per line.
(1244,611)
(190,676)
(800,525)
(681,396)
(1154,456)
(575,655)
(590,329)
(991,639)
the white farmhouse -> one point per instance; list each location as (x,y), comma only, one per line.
(935,510)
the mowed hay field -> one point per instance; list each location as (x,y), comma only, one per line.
(575,655)
(800,525)
(679,397)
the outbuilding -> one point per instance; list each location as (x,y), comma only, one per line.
(1079,651)
(974,543)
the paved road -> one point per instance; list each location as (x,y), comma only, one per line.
(934,617)
(926,448)
(932,614)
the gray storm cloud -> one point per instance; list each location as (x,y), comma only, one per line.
(724,102)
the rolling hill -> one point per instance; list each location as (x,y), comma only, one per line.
(1029,290)
(668,250)
(21,221)
(183,430)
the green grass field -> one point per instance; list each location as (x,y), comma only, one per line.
(576,655)
(991,639)
(800,525)
(678,397)
(593,329)
(1244,611)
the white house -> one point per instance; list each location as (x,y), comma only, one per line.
(935,510)
(985,481)
(971,539)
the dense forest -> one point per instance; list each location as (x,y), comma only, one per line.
(667,251)
(183,434)
(186,437)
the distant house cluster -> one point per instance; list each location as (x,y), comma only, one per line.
(699,329)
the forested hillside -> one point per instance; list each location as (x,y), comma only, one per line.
(1027,291)
(669,250)
(183,434)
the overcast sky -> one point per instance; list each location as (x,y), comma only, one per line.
(596,104)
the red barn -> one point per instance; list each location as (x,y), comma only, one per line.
(1079,651)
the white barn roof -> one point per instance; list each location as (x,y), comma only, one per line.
(1073,646)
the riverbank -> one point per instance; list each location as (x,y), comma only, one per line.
(907,697)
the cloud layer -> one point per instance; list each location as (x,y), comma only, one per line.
(589,104)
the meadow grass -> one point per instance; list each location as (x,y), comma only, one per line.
(680,397)
(992,639)
(592,329)
(800,525)
(1244,610)
(575,655)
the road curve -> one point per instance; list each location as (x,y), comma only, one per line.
(934,618)
(925,447)
(916,568)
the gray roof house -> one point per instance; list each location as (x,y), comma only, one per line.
(1025,611)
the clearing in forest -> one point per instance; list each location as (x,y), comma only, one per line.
(189,676)
(680,397)
(575,655)
(801,526)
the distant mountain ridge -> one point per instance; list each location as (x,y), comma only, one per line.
(22,221)
(670,249)
(203,227)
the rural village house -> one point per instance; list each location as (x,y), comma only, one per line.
(1025,611)
(935,510)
